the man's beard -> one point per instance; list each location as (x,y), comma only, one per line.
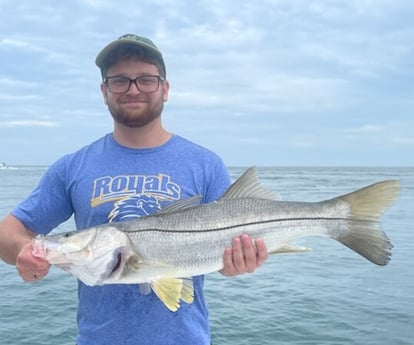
(136,119)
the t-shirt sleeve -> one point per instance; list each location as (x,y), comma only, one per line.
(49,204)
(219,182)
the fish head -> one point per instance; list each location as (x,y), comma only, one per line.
(70,247)
(93,255)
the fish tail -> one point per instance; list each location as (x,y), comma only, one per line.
(366,206)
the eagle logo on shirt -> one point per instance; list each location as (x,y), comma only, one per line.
(134,207)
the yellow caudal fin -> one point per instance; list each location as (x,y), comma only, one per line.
(171,291)
(366,206)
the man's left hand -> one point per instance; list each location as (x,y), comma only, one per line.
(244,256)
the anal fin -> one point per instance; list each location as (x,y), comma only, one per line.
(187,291)
(288,248)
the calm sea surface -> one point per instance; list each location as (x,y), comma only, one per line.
(330,296)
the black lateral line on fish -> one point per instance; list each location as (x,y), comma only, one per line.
(253,223)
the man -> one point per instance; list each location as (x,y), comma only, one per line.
(137,169)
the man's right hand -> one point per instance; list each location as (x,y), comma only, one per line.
(31,268)
(16,249)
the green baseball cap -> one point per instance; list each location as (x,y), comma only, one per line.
(147,46)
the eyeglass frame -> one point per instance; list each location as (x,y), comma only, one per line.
(160,79)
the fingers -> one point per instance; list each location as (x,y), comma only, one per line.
(29,267)
(248,259)
(228,267)
(245,256)
(262,253)
(34,272)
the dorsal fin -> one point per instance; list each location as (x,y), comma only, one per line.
(182,204)
(248,186)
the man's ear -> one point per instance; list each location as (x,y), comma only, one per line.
(166,88)
(104,91)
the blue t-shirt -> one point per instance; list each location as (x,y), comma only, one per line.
(90,184)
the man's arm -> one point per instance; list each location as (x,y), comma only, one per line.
(16,249)
(13,237)
(244,256)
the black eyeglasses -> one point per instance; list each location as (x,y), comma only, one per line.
(145,83)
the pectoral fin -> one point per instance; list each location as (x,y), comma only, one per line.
(171,291)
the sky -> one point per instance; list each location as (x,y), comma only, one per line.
(265,83)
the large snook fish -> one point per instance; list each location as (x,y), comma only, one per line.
(166,249)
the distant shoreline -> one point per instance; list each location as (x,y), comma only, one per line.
(259,166)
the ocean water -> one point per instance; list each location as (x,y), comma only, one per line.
(330,296)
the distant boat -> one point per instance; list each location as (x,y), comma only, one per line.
(3,166)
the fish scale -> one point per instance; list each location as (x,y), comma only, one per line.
(195,230)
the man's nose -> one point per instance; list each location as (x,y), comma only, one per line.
(133,87)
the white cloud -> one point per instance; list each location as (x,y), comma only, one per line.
(20,98)
(367,128)
(96,4)
(404,141)
(264,72)
(14,43)
(27,123)
(15,83)
(304,141)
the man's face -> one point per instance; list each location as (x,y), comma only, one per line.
(134,108)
